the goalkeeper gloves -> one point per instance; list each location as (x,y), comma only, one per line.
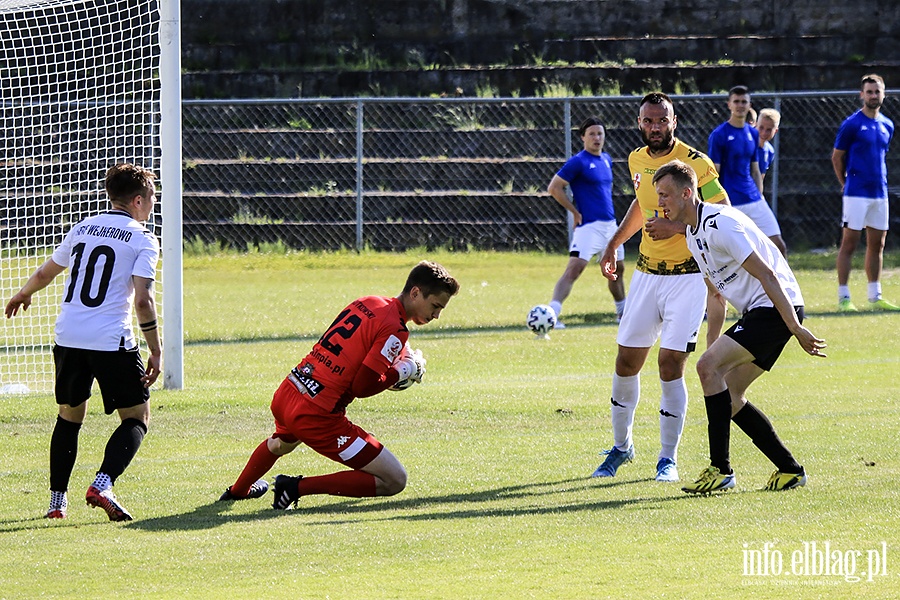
(411,365)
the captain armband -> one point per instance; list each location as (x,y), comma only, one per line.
(711,189)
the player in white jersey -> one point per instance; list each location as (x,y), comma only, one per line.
(741,264)
(112,261)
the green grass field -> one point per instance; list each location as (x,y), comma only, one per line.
(498,441)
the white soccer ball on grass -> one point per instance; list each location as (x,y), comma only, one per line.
(541,319)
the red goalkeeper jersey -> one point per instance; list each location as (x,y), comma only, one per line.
(370,331)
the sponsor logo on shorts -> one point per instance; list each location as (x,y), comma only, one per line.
(342,440)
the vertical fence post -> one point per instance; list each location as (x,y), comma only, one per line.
(359,175)
(774,165)
(567,129)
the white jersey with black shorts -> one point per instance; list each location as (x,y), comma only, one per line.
(94,334)
(724,238)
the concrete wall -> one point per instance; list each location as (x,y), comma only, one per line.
(235,48)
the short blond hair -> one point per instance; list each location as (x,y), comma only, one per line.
(771,113)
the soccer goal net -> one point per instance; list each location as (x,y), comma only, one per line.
(79,92)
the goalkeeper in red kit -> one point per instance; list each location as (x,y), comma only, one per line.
(363,352)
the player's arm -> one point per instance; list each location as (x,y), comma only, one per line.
(757,176)
(557,189)
(762,160)
(839,164)
(661,228)
(145,309)
(758,268)
(715,313)
(374,375)
(369,382)
(40,279)
(630,225)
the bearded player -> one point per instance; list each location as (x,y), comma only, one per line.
(667,296)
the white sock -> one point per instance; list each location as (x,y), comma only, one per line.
(102,482)
(626,392)
(843,292)
(620,306)
(673,407)
(874,291)
(557,307)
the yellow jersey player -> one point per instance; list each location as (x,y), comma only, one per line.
(667,296)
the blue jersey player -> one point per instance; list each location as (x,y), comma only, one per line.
(589,177)
(733,148)
(767,126)
(858,161)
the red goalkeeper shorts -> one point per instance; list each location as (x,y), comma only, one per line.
(331,435)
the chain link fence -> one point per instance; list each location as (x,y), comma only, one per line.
(392,174)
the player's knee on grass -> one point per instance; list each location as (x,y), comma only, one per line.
(395,484)
(391,480)
(390,475)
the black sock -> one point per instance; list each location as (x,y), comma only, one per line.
(757,426)
(718,416)
(63,450)
(123,444)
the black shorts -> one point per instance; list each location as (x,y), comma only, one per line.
(763,333)
(118,374)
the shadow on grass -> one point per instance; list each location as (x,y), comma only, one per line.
(572,320)
(40,522)
(423,508)
(863,312)
(576,319)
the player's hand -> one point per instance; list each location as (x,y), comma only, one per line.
(576,219)
(810,343)
(660,228)
(411,366)
(608,264)
(152,372)
(19,300)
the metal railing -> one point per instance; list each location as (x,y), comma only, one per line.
(462,172)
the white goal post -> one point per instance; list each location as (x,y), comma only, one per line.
(84,84)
